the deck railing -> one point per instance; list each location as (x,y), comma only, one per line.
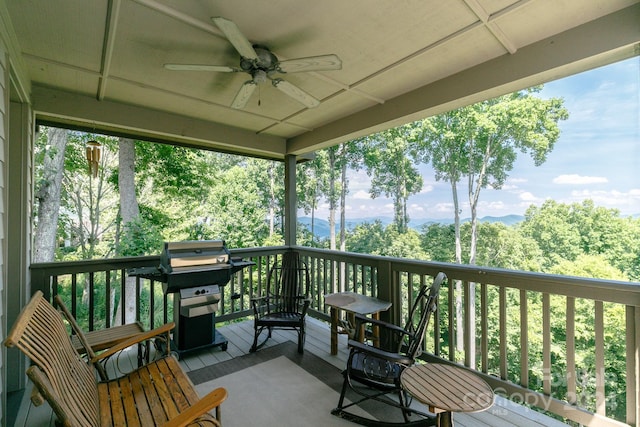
(539,339)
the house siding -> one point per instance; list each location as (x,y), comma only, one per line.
(16,201)
(4,102)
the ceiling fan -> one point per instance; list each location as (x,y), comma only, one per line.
(259,62)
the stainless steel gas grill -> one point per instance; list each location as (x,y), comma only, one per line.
(194,271)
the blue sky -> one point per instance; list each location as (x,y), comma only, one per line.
(596,157)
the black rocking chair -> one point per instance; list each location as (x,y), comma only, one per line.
(377,370)
(285,302)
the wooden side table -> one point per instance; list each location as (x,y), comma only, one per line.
(352,302)
(447,389)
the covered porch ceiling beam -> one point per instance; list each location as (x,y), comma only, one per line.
(608,39)
(54,106)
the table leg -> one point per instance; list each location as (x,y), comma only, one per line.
(375,330)
(444,419)
(334,331)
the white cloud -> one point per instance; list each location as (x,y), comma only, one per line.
(416,210)
(426,188)
(517,180)
(362,195)
(528,197)
(579,179)
(624,201)
(444,208)
(508,187)
(494,206)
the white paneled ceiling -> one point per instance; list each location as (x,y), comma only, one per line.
(400,59)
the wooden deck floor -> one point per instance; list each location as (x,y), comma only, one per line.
(503,414)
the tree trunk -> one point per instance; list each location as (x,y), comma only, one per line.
(313,217)
(459,318)
(129,212)
(343,202)
(332,200)
(49,196)
(272,198)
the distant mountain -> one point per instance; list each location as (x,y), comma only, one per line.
(321,228)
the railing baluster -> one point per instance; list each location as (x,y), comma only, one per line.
(546,344)
(571,379)
(107,303)
(451,319)
(74,293)
(91,302)
(600,374)
(152,304)
(504,373)
(123,298)
(484,327)
(469,298)
(633,364)
(165,303)
(138,305)
(524,339)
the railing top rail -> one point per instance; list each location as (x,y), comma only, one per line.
(627,293)
(92,265)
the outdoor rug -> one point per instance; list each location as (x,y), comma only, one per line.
(276,387)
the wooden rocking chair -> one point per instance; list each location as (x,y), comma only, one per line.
(373,373)
(159,393)
(91,342)
(285,302)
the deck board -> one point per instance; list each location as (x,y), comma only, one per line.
(240,336)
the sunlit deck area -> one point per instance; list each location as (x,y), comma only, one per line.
(214,362)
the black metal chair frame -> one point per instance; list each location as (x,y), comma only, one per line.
(285,302)
(377,370)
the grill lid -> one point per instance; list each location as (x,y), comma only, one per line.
(194,255)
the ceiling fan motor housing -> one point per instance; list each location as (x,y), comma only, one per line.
(259,62)
(266,61)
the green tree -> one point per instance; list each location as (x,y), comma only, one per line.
(367,238)
(391,159)
(481,142)
(313,185)
(438,240)
(235,212)
(49,167)
(564,232)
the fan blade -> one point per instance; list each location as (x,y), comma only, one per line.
(312,63)
(197,67)
(235,37)
(296,93)
(243,95)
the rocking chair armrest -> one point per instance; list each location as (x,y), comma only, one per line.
(143,336)
(258,304)
(389,326)
(205,404)
(307,302)
(357,346)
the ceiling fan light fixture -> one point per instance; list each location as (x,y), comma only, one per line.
(296,93)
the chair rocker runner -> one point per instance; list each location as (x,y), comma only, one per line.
(377,370)
(158,393)
(285,302)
